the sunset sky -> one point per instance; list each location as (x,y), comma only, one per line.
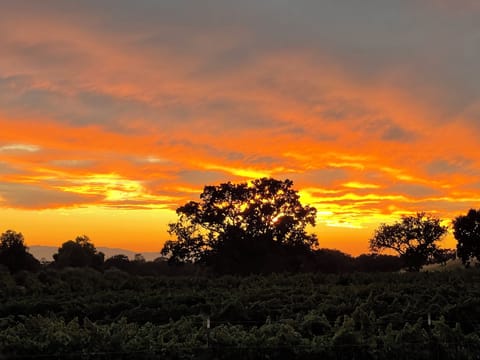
(113,113)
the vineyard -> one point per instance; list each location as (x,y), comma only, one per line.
(82,313)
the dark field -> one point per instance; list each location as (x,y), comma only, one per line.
(85,314)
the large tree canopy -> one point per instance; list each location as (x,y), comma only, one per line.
(414,238)
(466,229)
(233,221)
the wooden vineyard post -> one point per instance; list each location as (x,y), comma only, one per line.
(207,324)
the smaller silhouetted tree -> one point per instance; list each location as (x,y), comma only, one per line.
(120,262)
(466,229)
(332,261)
(139,258)
(414,238)
(377,263)
(14,254)
(78,253)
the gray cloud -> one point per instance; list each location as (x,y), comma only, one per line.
(257,159)
(21,97)
(394,132)
(81,107)
(452,166)
(226,115)
(431,45)
(474,186)
(327,177)
(413,190)
(203,177)
(223,153)
(36,197)
(73,164)
(343,109)
(446,206)
(386,130)
(47,55)
(14,83)
(6,168)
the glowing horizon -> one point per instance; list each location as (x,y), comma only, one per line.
(112,115)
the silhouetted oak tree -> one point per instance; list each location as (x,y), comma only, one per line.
(78,253)
(466,229)
(236,226)
(414,238)
(14,254)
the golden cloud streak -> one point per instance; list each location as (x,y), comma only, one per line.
(360,185)
(249,173)
(114,188)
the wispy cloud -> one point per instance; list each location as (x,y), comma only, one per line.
(19,147)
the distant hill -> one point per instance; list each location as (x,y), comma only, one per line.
(46,252)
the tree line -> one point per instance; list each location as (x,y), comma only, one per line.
(82,253)
(261,227)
